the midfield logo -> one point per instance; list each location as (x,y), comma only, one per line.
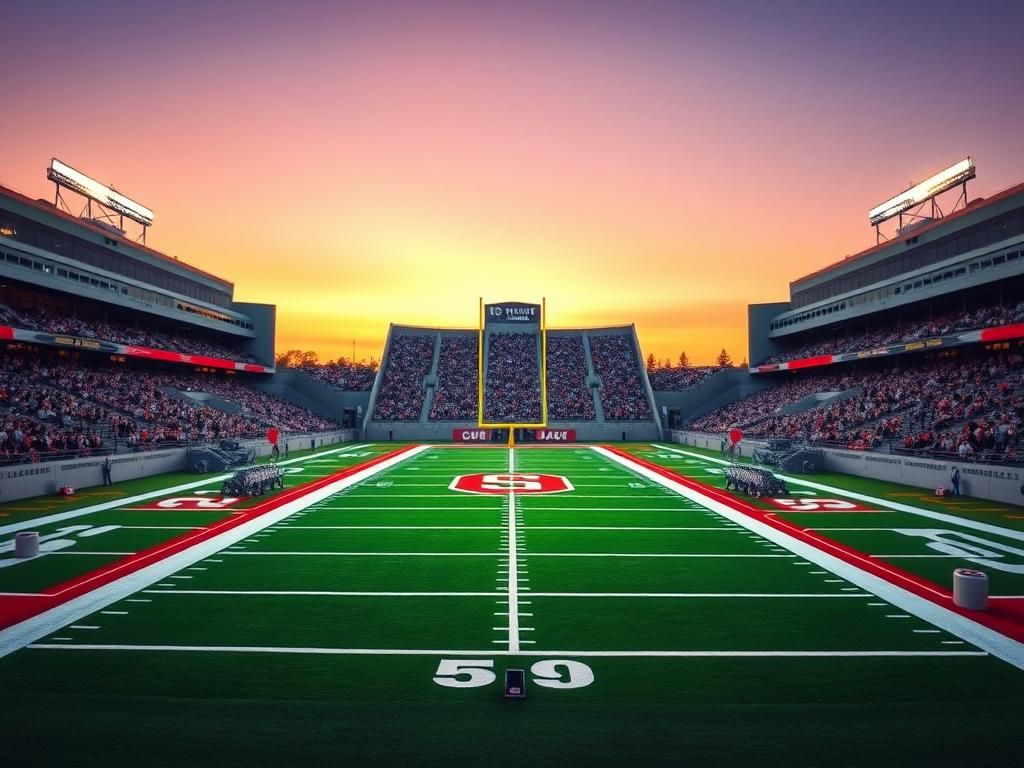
(515,482)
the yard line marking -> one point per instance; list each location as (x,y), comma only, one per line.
(304,593)
(675,595)
(45,623)
(617,528)
(996,643)
(114,613)
(138,600)
(83,626)
(61,638)
(398,527)
(492,554)
(493,652)
(927,631)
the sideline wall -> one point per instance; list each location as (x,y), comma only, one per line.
(24,481)
(983,481)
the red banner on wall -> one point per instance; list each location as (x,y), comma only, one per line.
(471,435)
(555,435)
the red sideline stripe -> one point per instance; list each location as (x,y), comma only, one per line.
(810,362)
(1003,616)
(15,609)
(1004,333)
(6,332)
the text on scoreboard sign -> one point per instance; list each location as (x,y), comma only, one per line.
(555,435)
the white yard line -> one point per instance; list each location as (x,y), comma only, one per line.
(997,644)
(73,513)
(630,595)
(494,652)
(512,552)
(46,623)
(513,564)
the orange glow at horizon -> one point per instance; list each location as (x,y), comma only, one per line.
(358,171)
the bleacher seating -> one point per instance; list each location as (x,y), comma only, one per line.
(569,398)
(401,393)
(678,379)
(457,380)
(622,392)
(512,388)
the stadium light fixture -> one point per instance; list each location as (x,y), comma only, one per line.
(66,176)
(919,193)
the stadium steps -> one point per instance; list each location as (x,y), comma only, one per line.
(819,400)
(430,382)
(593,380)
(199,399)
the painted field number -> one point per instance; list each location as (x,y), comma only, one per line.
(548,673)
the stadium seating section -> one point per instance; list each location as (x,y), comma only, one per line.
(952,322)
(51,403)
(119,333)
(401,393)
(512,389)
(569,398)
(348,377)
(457,380)
(968,406)
(678,379)
(622,392)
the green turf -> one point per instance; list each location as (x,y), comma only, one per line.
(209,707)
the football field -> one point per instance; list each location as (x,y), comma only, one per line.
(367,615)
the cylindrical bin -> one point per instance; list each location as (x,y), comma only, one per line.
(26,544)
(970,589)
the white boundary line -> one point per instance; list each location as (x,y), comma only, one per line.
(73,513)
(20,635)
(895,505)
(999,645)
(676,595)
(490,652)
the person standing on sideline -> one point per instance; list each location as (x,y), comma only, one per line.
(954,477)
(106,472)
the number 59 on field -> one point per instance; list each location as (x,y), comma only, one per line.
(547,673)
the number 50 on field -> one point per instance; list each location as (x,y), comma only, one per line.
(548,673)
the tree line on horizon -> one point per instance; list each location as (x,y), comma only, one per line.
(298,358)
(724,360)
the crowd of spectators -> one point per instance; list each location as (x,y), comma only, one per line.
(676,379)
(623,397)
(119,333)
(457,380)
(350,377)
(963,407)
(952,322)
(401,393)
(512,386)
(73,405)
(569,397)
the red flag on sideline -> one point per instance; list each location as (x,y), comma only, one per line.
(272,435)
(735,435)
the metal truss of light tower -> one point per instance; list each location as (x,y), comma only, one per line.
(903,204)
(114,207)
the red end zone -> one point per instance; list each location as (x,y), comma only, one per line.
(1003,616)
(16,608)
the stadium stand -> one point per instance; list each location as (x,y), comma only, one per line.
(512,391)
(569,397)
(678,379)
(457,379)
(348,377)
(622,391)
(402,390)
(889,333)
(117,332)
(967,406)
(63,403)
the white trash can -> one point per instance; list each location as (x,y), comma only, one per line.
(26,544)
(970,589)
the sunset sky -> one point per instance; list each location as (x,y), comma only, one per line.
(663,163)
